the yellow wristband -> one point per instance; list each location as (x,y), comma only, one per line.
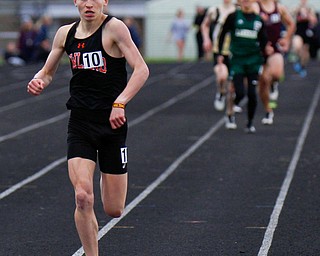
(118,105)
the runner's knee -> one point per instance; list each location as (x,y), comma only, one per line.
(114,212)
(84,199)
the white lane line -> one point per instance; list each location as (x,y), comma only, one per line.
(45,96)
(20,85)
(54,93)
(35,176)
(60,117)
(268,236)
(157,182)
(173,100)
(10,87)
(136,121)
(34,126)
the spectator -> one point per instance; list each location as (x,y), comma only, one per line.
(179,31)
(198,19)
(42,42)
(12,56)
(134,31)
(26,40)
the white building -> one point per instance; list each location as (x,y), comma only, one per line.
(160,13)
(154,16)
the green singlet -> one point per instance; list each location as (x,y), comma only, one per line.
(245,48)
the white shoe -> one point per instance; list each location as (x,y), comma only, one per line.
(250,129)
(237,109)
(268,119)
(274,94)
(230,123)
(219,102)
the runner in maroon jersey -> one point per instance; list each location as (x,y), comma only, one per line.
(275,16)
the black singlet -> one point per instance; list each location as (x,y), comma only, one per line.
(98,78)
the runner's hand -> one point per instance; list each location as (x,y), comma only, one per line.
(35,86)
(117,118)
(269,49)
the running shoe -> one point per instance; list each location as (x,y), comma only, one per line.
(268,119)
(250,129)
(274,94)
(220,102)
(237,109)
(297,67)
(303,73)
(231,123)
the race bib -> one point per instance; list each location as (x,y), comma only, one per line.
(92,60)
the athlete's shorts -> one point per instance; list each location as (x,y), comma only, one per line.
(306,36)
(90,136)
(245,66)
(276,49)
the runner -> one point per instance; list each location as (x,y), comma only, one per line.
(98,46)
(274,16)
(217,16)
(305,20)
(248,43)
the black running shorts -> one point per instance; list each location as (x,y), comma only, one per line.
(90,136)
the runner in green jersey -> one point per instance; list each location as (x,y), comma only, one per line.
(248,43)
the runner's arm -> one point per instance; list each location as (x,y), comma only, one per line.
(121,38)
(43,78)
(227,27)
(289,23)
(205,29)
(265,45)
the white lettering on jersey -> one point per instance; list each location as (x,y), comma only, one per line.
(246,33)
